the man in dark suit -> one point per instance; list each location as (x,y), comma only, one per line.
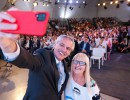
(84,46)
(46,80)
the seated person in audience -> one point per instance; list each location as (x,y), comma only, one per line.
(115,44)
(109,46)
(122,47)
(92,43)
(97,39)
(102,44)
(126,49)
(80,85)
(84,46)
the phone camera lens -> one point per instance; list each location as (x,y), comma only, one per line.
(41,16)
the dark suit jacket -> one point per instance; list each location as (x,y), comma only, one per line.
(87,48)
(43,74)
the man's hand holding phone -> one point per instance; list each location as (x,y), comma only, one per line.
(29,22)
(7,40)
(15,22)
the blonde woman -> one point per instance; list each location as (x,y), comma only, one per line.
(80,85)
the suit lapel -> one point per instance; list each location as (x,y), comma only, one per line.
(56,76)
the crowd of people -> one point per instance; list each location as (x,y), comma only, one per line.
(109,38)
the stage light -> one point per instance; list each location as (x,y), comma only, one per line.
(83,1)
(104,4)
(71,1)
(77,2)
(99,4)
(116,2)
(111,2)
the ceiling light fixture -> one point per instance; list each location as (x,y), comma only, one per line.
(77,2)
(99,4)
(116,2)
(104,4)
(111,2)
(71,1)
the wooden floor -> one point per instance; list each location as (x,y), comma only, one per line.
(116,70)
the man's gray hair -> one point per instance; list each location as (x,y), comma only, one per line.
(66,36)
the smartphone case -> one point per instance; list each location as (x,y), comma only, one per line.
(29,22)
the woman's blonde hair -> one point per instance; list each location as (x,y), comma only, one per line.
(84,57)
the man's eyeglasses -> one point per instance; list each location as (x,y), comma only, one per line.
(81,63)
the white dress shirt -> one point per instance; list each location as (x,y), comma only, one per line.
(62,74)
(12,56)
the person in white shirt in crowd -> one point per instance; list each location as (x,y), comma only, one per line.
(79,40)
(109,46)
(102,44)
(80,85)
(97,39)
(92,43)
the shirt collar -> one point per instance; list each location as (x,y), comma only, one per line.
(57,61)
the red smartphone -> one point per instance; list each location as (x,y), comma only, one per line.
(29,22)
